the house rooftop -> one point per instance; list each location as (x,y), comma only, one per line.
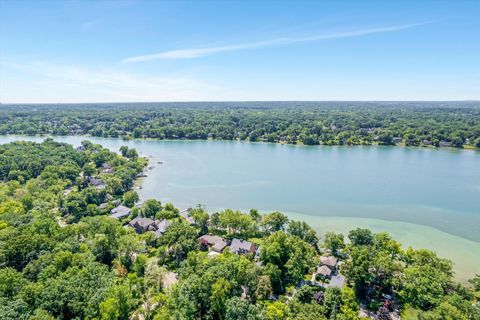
(239,246)
(162,226)
(120,212)
(142,222)
(324,271)
(329,261)
(184,215)
(217,243)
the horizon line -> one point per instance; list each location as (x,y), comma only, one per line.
(231,101)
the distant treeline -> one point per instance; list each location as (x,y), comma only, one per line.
(439,124)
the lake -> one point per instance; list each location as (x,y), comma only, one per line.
(424,197)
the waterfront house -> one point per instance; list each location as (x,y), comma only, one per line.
(239,246)
(97,183)
(329,261)
(120,212)
(216,243)
(427,142)
(445,144)
(324,271)
(184,215)
(161,227)
(142,225)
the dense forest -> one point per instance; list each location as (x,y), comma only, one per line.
(75,243)
(437,124)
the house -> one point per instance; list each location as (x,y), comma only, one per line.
(120,212)
(239,246)
(324,271)
(445,144)
(142,225)
(97,183)
(107,169)
(427,142)
(184,215)
(329,261)
(161,227)
(216,243)
(397,139)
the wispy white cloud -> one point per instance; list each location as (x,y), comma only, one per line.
(201,52)
(69,83)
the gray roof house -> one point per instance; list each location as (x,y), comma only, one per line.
(329,261)
(120,212)
(161,227)
(324,271)
(239,246)
(184,215)
(215,242)
(444,143)
(97,183)
(141,225)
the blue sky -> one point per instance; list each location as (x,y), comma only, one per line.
(111,51)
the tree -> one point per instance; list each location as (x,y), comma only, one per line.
(241,309)
(475,282)
(426,279)
(235,222)
(118,305)
(274,221)
(132,154)
(332,302)
(177,241)
(200,217)
(151,207)
(334,242)
(302,230)
(11,282)
(361,237)
(130,198)
(89,170)
(444,311)
(168,212)
(220,290)
(373,263)
(291,255)
(123,151)
(255,215)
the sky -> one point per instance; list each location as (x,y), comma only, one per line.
(142,51)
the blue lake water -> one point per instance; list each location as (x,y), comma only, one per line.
(424,197)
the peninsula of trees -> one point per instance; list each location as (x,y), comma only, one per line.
(76,244)
(430,124)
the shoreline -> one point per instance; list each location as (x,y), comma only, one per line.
(298,144)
